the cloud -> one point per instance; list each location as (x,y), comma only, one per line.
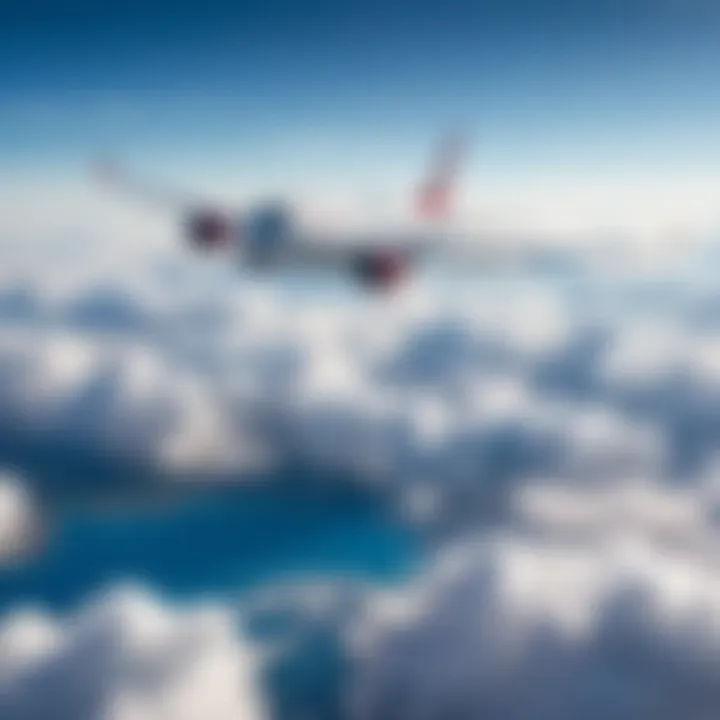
(587,600)
(21,525)
(595,603)
(597,590)
(127,656)
(184,366)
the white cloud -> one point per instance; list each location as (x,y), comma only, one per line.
(597,602)
(189,367)
(21,526)
(126,656)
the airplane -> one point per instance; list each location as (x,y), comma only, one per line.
(267,236)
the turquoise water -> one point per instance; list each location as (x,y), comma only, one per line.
(229,541)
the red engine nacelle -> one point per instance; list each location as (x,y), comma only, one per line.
(381,269)
(209,230)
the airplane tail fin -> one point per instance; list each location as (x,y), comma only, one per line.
(435,194)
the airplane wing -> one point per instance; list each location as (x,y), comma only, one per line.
(461,250)
(110,173)
(382,259)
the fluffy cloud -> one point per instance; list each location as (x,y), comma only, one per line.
(126,656)
(597,593)
(186,367)
(21,526)
(594,603)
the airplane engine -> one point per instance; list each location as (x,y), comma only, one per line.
(381,269)
(209,230)
(267,234)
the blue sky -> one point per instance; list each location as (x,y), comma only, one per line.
(590,79)
(267,90)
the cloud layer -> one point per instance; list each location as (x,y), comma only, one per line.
(178,367)
(566,432)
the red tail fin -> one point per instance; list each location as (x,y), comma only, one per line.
(434,197)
